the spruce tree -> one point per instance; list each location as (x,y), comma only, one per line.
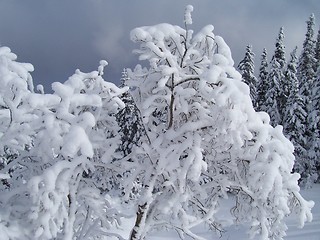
(275,78)
(294,117)
(131,131)
(306,64)
(315,148)
(129,120)
(317,52)
(262,82)
(306,76)
(246,67)
(307,60)
(288,81)
(316,107)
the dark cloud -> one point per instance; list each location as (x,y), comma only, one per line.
(59,36)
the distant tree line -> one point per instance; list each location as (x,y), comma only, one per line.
(289,91)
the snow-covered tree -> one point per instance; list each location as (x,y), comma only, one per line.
(307,60)
(286,82)
(262,86)
(131,132)
(129,119)
(290,75)
(16,137)
(59,178)
(315,148)
(317,52)
(204,140)
(306,76)
(294,118)
(273,97)
(315,144)
(15,116)
(76,141)
(246,68)
(305,69)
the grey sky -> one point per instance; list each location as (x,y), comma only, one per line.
(59,36)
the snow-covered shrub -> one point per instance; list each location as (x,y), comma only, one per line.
(15,114)
(55,150)
(16,136)
(204,140)
(76,140)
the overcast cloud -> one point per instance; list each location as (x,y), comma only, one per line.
(59,36)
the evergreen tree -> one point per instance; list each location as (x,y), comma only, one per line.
(288,81)
(316,107)
(286,84)
(246,67)
(129,120)
(306,76)
(132,134)
(294,117)
(317,53)
(307,60)
(305,69)
(275,78)
(315,144)
(262,82)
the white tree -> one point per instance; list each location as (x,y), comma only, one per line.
(15,114)
(204,140)
(307,84)
(65,142)
(16,138)
(76,141)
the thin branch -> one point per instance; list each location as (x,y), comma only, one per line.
(187,80)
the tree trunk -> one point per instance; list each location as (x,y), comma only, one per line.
(139,219)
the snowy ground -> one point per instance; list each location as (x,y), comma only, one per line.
(311,231)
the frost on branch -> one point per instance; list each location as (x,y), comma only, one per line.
(204,140)
(16,137)
(16,84)
(187,15)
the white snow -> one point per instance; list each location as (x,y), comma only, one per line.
(187,15)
